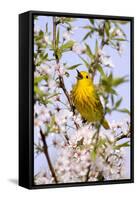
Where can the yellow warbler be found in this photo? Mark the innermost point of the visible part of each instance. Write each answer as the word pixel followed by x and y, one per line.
pixel 86 100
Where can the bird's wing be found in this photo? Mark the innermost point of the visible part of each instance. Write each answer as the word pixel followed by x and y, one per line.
pixel 99 104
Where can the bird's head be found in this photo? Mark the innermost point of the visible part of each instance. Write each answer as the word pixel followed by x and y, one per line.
pixel 83 77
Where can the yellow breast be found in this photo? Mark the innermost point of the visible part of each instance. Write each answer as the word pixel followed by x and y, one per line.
pixel 85 101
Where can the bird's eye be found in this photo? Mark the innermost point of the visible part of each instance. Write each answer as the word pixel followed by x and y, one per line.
pixel 86 76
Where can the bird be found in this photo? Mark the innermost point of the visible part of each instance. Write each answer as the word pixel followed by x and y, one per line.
pixel 86 100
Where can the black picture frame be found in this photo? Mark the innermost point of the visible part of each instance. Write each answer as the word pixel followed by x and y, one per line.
pixel 26 160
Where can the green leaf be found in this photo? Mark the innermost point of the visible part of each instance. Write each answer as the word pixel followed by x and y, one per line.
pixel 107 83
pixel 100 143
pixel 46 27
pixel 41 34
pixel 119 39
pixel 85 62
pixel 58 53
pixel 118 102
pixel 118 81
pixel 100 69
pixel 93 155
pixel 118 26
pixel 87 35
pixel 124 110
pixel 91 21
pixel 67 45
pixel 57 39
pixel 38 91
pixel 107 27
pixel 112 91
pixel 67 74
pixel 43 56
pixel 110 77
pixel 112 99
pixel 96 47
pixel 52 121
pixel 88 51
pixel 73 67
pixel 125 144
pixel 108 110
pixel 53 95
pixel 88 27
pixel 40 78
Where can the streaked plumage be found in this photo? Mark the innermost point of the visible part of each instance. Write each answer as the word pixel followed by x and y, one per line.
pixel 86 99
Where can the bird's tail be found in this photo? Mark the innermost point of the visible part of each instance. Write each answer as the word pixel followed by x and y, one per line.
pixel 105 124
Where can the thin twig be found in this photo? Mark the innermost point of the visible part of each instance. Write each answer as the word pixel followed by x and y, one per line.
pixel 121 137
pixel 62 85
pixel 45 150
pixel 87 174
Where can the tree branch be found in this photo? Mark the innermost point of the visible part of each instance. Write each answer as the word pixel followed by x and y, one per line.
pixel 120 137
pixel 45 149
pixel 87 175
pixel 61 80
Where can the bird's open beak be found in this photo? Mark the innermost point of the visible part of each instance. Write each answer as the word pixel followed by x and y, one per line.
pixel 79 75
